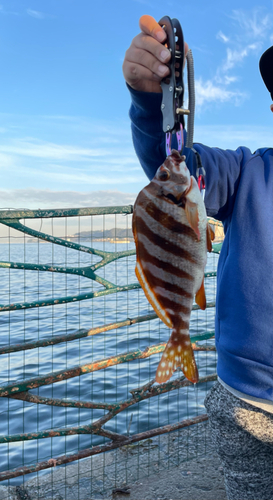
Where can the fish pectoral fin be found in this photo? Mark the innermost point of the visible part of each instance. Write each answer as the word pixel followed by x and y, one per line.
pixel 178 353
pixel 200 297
pixel 210 236
pixel 191 210
pixel 211 231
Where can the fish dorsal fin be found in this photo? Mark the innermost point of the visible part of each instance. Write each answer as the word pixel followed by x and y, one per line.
pixel 200 297
pixel 151 296
pixel 191 210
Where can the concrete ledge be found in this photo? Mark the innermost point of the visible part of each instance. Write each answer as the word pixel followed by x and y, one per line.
pixel 181 465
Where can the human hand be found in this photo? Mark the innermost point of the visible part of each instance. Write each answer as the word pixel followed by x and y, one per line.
pixel 145 62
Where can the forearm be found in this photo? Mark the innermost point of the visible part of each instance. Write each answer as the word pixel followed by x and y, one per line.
pixel 147 132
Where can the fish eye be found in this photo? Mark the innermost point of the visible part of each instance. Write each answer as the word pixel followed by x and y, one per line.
pixel 163 174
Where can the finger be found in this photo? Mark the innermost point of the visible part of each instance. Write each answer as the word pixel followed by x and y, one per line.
pixel 148 61
pixel 149 44
pixel 137 73
pixel 149 26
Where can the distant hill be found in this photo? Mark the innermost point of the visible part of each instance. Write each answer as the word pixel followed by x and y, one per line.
pixel 112 234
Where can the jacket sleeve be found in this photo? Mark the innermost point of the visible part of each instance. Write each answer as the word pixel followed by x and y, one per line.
pixel 223 170
pixel 223 167
pixel 147 132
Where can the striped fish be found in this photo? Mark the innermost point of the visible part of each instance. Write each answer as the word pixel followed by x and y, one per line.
pixel 172 236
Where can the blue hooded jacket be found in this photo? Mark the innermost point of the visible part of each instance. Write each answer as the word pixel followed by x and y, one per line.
pixel 239 193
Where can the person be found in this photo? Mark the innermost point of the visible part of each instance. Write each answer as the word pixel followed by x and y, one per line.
pixel 239 193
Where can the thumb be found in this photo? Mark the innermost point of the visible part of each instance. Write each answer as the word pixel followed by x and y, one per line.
pixel 150 26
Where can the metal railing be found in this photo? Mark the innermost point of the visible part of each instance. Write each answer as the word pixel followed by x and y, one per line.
pixel 23 389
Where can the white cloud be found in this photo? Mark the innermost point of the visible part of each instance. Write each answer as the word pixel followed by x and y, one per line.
pixel 234 136
pixel 93 176
pixel 6 162
pixel 44 198
pixel 208 91
pixel 42 149
pixel 253 25
pixel 254 28
pixel 246 38
pixel 251 30
pixel 5 12
pixel 36 14
pixel 145 2
pixel 18 172
pixel 226 79
pixel 88 155
pixel 222 37
pixel 233 58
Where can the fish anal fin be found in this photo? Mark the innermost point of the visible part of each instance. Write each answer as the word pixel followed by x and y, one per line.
pixel 178 353
pixel 151 297
pixel 200 297
pixel 191 210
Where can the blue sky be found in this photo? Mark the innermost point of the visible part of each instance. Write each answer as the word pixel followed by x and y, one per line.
pixel 65 136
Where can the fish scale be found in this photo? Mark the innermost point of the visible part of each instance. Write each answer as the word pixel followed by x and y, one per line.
pixel 170 231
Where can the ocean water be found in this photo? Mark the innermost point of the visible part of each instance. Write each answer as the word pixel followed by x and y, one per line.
pixel 110 385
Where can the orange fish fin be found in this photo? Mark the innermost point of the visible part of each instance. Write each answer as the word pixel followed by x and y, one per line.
pixel 191 210
pixel 178 353
pixel 209 245
pixel 151 296
pixel 210 236
pixel 211 231
pixel 200 297
pixel 134 228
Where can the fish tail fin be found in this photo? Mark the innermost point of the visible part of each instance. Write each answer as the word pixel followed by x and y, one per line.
pixel 178 353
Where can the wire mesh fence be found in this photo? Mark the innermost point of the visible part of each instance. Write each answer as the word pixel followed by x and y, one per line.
pixel 79 350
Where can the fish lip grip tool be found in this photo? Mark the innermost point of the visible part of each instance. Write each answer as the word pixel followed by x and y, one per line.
pixel 173 95
pixel 173 84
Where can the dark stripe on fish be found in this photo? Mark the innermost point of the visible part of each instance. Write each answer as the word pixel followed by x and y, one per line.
pixel 179 324
pixel 166 285
pixel 161 242
pixel 174 306
pixel 169 222
pixel 148 258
